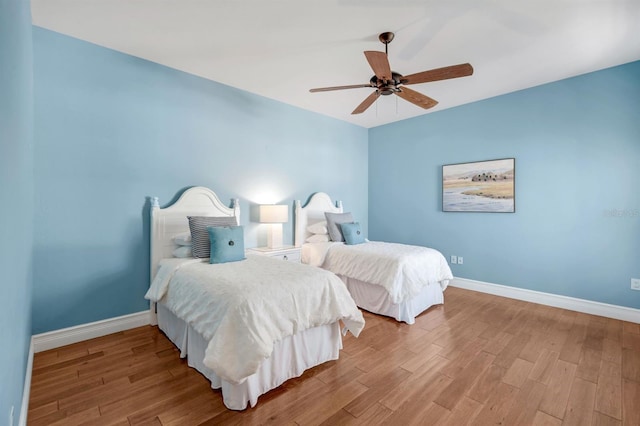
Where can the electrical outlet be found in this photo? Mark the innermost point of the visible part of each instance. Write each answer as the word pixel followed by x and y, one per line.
pixel 454 259
pixel 635 283
pixel 460 260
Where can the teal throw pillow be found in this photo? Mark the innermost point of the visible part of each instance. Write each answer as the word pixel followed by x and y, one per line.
pixel 227 244
pixel 352 233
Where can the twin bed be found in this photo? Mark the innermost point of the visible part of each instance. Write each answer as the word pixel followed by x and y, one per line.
pixel 247 326
pixel 250 325
pixel 396 280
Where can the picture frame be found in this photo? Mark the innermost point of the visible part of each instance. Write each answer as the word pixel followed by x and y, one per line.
pixel 480 186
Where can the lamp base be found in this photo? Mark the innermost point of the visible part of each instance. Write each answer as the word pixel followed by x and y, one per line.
pixel 274 237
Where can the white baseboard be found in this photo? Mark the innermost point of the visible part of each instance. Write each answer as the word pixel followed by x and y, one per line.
pixel 26 390
pixel 67 336
pixel 571 303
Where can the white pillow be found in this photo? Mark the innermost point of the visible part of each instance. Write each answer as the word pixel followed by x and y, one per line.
pixel 318 238
pixel 183 239
pixel 318 228
pixel 183 252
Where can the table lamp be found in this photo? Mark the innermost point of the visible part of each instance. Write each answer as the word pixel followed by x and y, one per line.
pixel 274 215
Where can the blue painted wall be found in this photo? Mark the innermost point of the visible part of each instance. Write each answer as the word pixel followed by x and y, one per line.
pixel 16 200
pixel 576 230
pixel 112 129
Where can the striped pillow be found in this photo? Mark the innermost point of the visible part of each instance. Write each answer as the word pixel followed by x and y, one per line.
pixel 200 245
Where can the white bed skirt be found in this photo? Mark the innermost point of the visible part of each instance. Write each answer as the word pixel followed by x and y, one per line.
pixel 290 358
pixel 375 298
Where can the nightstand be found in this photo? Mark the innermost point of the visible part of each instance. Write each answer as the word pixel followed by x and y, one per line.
pixel 290 253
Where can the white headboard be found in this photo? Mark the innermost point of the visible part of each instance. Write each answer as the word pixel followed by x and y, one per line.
pixel 168 222
pixel 313 212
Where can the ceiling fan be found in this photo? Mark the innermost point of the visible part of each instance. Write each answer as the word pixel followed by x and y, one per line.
pixel 387 82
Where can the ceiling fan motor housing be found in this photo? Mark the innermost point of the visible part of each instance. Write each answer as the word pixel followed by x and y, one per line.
pixel 388 87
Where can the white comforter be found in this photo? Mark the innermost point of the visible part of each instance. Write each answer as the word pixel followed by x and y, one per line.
pixel 243 308
pixel 403 270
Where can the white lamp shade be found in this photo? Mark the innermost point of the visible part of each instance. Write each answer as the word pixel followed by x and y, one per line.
pixel 273 213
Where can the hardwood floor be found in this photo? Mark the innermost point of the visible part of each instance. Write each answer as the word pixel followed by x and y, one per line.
pixel 477 360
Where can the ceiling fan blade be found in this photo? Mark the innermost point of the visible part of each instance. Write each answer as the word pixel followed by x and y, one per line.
pixel 416 98
pixel 366 103
pixel 379 64
pixel 445 73
pixel 327 89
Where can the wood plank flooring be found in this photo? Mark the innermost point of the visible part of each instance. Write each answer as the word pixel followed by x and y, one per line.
pixel 477 360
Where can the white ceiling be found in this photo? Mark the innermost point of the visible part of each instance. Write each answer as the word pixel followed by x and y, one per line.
pixel 282 48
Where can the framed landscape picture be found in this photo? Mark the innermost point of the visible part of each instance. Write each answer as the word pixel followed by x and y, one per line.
pixel 481 186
